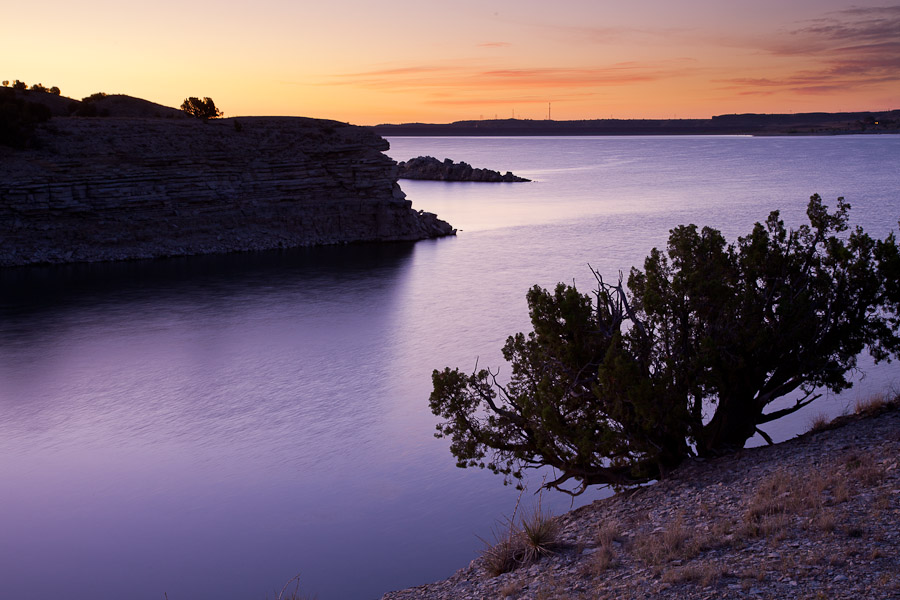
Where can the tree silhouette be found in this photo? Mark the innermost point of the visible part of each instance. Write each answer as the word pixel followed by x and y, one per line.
pixel 619 389
pixel 202 109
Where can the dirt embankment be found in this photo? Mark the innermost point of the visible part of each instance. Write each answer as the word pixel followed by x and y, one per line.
pixel 817 517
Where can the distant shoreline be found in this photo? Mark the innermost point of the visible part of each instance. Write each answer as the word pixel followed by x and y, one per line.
pixel 844 123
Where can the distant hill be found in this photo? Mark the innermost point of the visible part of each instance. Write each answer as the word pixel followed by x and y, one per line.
pixel 106 105
pixel 736 124
pixel 120 105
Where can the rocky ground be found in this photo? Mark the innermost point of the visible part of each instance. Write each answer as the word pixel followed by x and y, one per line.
pixel 817 517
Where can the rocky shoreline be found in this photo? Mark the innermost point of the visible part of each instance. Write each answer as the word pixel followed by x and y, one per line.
pixel 116 188
pixel 431 169
pixel 814 517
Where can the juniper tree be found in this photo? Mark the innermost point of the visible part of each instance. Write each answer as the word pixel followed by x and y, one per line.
pixel 620 387
pixel 202 109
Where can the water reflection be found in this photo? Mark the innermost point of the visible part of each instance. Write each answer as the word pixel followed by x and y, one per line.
pixel 210 426
pixel 155 402
pixel 50 288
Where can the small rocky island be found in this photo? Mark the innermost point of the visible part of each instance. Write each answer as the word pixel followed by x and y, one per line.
pixel 432 169
pixel 133 180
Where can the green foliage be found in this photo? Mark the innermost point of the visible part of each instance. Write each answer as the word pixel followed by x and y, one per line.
pixel 202 109
pixel 619 389
pixel 568 399
pixel 777 312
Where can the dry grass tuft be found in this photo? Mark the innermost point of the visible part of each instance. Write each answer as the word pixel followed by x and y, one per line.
pixel 604 556
pixel 875 405
pixel 782 498
pixel 540 534
pixel 787 565
pixel 517 545
pixel 772 497
pixel 292 594
pixel 600 561
pixel 818 423
pixel 675 536
pixel 506 553
pixel 863 469
pixel 512 588
pixel 826 521
pixel 840 493
pixel 608 533
pixel 758 574
pixel 863 407
pixel 782 495
pixel 673 542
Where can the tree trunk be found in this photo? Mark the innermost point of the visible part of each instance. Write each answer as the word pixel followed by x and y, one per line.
pixel 733 423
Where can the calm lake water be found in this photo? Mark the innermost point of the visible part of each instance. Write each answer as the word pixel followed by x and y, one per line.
pixel 211 427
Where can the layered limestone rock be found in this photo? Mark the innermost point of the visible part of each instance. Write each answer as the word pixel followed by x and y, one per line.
pixel 124 188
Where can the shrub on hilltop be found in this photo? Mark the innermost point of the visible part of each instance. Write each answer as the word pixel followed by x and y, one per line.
pixel 202 109
pixel 88 106
pixel 37 87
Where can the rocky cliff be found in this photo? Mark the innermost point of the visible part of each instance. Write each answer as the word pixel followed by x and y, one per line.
pixel 123 188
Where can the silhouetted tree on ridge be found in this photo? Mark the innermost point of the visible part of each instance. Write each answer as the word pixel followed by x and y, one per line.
pixel 202 109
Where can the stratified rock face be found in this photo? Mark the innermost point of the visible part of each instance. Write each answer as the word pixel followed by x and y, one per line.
pixel 430 168
pixel 116 188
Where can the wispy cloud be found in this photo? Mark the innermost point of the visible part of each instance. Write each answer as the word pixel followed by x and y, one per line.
pixel 495 45
pixel 800 84
pixel 458 83
pixel 858 27
pixel 609 35
pixel 617 74
pixel 854 47
pixel 506 99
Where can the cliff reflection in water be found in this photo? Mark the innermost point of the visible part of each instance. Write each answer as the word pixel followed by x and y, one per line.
pixel 55 287
pixel 190 411
pixel 189 340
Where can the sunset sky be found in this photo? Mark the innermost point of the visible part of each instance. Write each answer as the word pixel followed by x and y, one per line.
pixel 401 61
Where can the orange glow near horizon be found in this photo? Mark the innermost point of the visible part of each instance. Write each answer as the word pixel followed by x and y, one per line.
pixel 409 61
